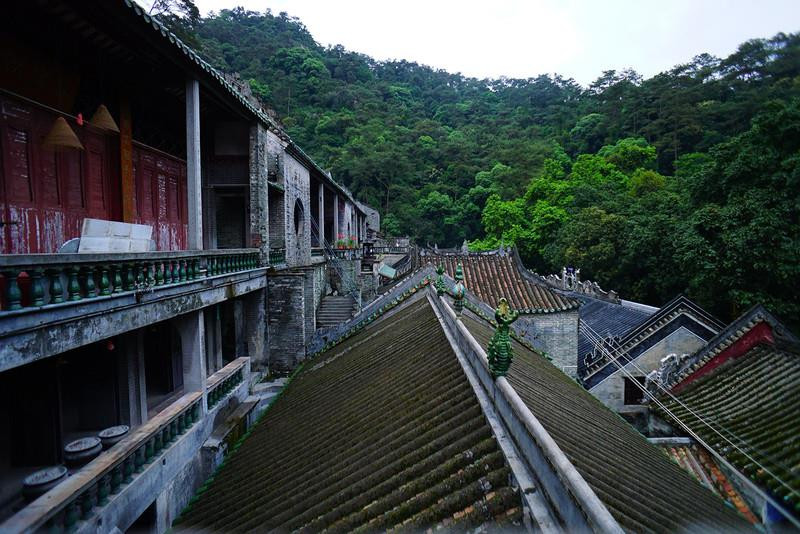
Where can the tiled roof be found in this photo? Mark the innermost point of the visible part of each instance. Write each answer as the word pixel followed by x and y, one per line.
pixel 699 462
pixel 753 401
pixel 492 276
pixel 607 319
pixel 641 487
pixel 381 431
pixel 680 312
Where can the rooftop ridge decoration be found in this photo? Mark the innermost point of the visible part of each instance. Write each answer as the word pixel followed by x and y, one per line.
pixel 499 273
pixel 440 288
pixel 570 280
pixel 499 350
pixel 459 290
pixel 665 315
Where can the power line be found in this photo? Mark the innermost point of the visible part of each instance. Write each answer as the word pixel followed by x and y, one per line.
pixel 594 336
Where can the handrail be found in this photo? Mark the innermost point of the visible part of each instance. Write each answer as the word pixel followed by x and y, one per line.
pixel 60 508
pixel 66 278
pixel 225 380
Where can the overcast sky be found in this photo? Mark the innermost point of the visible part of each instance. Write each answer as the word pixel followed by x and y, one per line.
pixel 518 38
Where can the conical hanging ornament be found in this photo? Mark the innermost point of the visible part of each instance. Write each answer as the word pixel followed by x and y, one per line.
pixel 61 136
pixel 103 119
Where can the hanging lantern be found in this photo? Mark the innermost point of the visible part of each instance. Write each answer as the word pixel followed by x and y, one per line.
pixel 61 136
pixel 103 119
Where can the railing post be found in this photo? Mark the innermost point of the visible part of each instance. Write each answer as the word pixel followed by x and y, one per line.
pixel 56 291
pixel 37 290
pixel 13 293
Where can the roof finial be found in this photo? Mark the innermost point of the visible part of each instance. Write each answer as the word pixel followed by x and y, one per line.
pixel 440 288
pixel 499 349
pixel 459 290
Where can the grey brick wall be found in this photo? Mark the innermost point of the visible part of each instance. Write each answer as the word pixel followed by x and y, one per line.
pixel 557 333
pixel 286 320
pixel 259 191
pixel 298 243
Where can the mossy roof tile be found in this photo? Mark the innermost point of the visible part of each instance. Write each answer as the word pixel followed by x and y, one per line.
pixel 381 431
pixel 642 488
pixel 753 401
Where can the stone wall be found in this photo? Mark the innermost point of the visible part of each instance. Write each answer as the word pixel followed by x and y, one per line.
pixel 556 334
pixel 298 237
pixel 286 320
pixel 259 191
pixel 611 391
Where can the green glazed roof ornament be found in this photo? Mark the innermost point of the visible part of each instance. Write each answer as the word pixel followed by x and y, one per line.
pixel 499 349
pixel 459 290
pixel 440 288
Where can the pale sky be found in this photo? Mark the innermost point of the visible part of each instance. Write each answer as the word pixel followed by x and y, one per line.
pixel 518 38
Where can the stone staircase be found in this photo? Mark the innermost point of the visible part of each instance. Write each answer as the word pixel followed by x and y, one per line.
pixel 334 310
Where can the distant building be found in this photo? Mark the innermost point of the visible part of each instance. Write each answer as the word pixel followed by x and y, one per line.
pixel 549 318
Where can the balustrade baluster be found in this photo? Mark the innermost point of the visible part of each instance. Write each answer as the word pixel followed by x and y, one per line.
pixel 88 282
pixel 103 489
pixel 181 270
pixel 158 444
pixel 105 284
pixel 158 267
pixel 56 290
pixel 128 467
pixel 129 277
pixel 190 274
pixel 181 423
pixel 196 267
pixel 13 293
pixel 138 274
pixel 87 502
pixel 73 287
pixel 150 450
pixel 71 515
pixel 37 289
pixel 116 277
pixel 169 273
pixel 148 277
pixel 116 478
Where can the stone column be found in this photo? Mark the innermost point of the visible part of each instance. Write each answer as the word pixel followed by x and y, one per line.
pixel 321 215
pixel 134 395
pixel 194 186
pixel 191 329
pixel 335 219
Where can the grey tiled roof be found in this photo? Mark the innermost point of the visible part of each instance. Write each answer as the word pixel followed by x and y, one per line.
pixel 382 431
pixel 605 318
pixel 642 488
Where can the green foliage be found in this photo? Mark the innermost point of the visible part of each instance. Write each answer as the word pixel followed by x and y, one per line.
pixel 686 181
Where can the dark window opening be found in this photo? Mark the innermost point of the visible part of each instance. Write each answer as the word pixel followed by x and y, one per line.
pixel 298 216
pixel 163 365
pixel 633 393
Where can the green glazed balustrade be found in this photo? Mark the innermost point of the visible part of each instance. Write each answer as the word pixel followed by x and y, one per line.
pixel 97 495
pixel 39 285
pixel 225 386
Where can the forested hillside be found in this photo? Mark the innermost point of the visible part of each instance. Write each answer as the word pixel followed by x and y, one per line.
pixel 687 181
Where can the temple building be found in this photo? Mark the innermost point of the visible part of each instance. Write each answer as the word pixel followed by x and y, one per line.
pixel 408 421
pixel 164 246
pixel 549 318
pixel 734 400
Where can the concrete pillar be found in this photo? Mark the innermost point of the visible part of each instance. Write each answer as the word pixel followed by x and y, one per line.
pixel 194 186
pixel 213 332
pixel 255 315
pixel 239 328
pixel 133 398
pixel 321 216
pixel 335 218
pixel 191 329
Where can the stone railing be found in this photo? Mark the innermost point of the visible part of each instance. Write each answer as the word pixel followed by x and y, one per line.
pixel 224 381
pixel 31 281
pixel 391 250
pixel 277 256
pixel 82 495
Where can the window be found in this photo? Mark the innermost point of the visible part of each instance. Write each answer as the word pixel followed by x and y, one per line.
pixel 634 395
